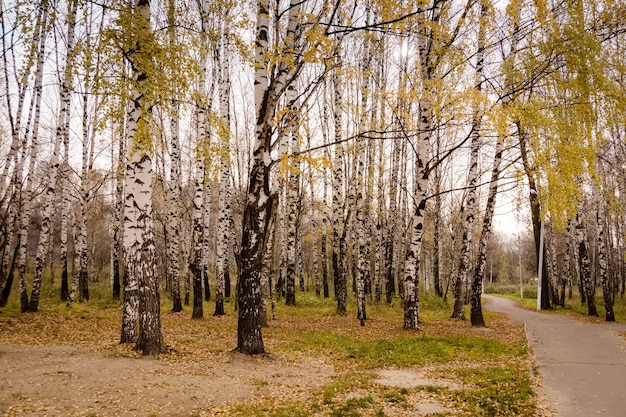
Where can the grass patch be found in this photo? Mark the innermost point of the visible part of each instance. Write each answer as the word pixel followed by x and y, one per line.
pixel 271 409
pixel 495 391
pixel 402 351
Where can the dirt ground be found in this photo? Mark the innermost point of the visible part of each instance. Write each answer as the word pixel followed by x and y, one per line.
pixel 49 380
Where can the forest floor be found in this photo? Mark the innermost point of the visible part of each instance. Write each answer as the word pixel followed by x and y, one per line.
pixel 61 380
pixel 67 362
pixel 582 361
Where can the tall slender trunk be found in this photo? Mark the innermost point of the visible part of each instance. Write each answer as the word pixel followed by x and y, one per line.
pixel 602 261
pixel 437 227
pixel 40 40
pixel 63 129
pixel 421 174
pixel 476 313
pixel 44 234
pixel 117 226
pixel 206 233
pixel 324 213
pixel 174 217
pixel 469 210
pixel 83 274
pixel 314 232
pixel 567 264
pixel 293 200
pixel 585 268
pixel 51 175
pixel 267 284
pixel 535 211
pixel 362 201
pixel 338 256
pixel 224 220
pixel 553 267
pixel 196 263
pixel 381 222
pixel 130 280
pixel 391 251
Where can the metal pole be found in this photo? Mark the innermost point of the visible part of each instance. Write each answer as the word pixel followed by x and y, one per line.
pixel 519 252
pixel 540 268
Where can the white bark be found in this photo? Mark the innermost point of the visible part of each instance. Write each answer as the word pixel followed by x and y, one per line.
pixel 426 106
pixel 338 256
pixel 225 216
pixel 40 40
pixel 141 297
pixel 470 207
pixel 198 241
pixel 174 216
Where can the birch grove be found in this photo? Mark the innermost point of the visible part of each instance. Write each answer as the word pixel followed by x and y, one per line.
pixel 351 150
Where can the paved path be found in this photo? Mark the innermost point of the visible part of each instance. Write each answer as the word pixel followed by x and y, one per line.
pixel 583 365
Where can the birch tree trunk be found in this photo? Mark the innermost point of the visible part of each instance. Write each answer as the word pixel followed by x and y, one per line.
pixel 174 218
pixel 535 210
pixel 314 228
pixel 339 232
pixel 259 206
pixel 437 226
pixel 469 209
pixel 567 263
pixel 293 203
pixel 44 234
pixel 422 171
pixel 118 224
pixel 257 211
pixel 552 266
pixel 63 129
pixel 225 216
pixel 81 219
pixel 362 268
pixel 141 295
pixel 476 313
pixel 196 264
pixel 52 174
pixel 324 237
pixel 206 231
pixel 585 269
pixel 39 40
pixel 607 293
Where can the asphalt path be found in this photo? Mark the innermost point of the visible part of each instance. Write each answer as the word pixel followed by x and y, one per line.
pixel 583 365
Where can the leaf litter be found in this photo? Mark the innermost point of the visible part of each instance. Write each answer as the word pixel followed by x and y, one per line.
pixel 69 363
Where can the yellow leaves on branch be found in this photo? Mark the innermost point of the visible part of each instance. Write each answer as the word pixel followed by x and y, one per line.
pixel 290 164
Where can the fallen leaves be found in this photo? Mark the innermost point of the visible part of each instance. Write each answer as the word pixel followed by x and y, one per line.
pixel 202 375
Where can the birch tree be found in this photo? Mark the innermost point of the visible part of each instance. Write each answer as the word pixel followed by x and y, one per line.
pixel 274 73
pixel 225 212
pixel 174 218
pixel 198 224
pixel 141 296
pixel 39 42
pixel 257 211
pixel 427 17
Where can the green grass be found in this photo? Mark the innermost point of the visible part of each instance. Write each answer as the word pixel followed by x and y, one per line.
pixel 495 391
pixel 271 409
pixel 402 351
